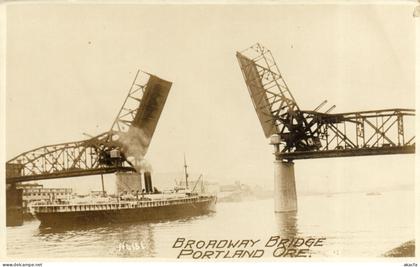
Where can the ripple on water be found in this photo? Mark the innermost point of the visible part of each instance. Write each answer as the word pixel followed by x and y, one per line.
pixel 352 228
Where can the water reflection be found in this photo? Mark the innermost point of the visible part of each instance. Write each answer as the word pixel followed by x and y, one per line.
pixel 287 224
pixel 346 234
pixel 134 239
pixel 119 226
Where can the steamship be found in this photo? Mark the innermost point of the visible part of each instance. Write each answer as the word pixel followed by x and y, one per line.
pixel 140 205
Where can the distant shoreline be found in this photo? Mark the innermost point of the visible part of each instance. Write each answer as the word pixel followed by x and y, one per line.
pixel 387 190
pixel 406 249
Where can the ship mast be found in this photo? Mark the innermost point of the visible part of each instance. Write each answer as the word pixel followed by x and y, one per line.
pixel 186 173
pixel 103 187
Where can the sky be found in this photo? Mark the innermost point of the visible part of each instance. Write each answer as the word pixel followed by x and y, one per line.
pixel 69 68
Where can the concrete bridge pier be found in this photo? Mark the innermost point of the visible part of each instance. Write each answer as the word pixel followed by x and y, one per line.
pixel 14 211
pixel 128 182
pixel 285 199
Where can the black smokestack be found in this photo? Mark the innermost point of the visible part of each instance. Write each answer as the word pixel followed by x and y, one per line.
pixel 148 182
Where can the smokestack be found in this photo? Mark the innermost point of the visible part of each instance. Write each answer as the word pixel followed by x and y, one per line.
pixel 140 181
pixel 148 182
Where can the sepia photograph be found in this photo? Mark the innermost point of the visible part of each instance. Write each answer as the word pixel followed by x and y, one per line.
pixel 188 131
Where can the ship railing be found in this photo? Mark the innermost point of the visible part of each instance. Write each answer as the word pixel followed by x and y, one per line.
pixel 109 206
pixel 82 207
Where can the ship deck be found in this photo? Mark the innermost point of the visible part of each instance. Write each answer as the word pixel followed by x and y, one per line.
pixel 118 204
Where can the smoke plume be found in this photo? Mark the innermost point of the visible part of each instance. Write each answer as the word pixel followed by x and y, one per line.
pixel 136 143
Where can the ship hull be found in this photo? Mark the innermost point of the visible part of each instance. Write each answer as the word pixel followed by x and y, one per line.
pixel 126 215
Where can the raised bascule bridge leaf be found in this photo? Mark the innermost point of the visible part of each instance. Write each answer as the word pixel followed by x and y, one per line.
pixel 301 134
pixel 118 149
pixel 298 134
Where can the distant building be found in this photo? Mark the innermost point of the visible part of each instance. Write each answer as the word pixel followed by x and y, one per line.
pixel 229 188
pixel 200 186
pixel 37 192
pixel 237 186
pixel 239 192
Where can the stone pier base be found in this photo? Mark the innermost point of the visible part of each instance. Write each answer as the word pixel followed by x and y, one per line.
pixel 129 183
pixel 284 187
pixel 14 210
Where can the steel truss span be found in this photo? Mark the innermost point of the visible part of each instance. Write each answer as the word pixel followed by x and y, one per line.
pixel 299 134
pixel 115 150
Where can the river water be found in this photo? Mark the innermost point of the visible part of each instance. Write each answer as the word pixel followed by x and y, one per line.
pixel 350 225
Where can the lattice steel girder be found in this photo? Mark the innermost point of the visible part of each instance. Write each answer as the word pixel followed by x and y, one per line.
pixel 346 153
pixel 275 105
pixel 92 156
pixel 125 144
pixel 359 133
pixel 137 119
pixel 300 131
pixel 68 174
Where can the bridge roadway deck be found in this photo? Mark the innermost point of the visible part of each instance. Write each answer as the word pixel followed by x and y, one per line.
pixel 354 152
pixel 66 174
